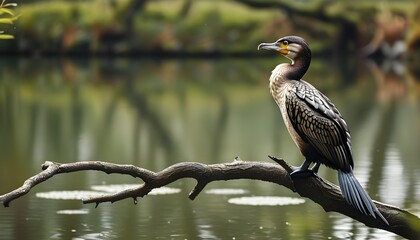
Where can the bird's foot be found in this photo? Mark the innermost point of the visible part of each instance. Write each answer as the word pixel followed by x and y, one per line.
pixel 316 168
pixel 302 173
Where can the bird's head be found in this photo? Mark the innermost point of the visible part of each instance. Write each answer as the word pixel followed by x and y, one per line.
pixel 291 47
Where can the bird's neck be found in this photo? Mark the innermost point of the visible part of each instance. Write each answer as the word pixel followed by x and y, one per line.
pixel 291 71
pixel 285 73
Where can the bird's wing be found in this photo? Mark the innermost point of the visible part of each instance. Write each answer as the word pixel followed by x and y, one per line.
pixel 318 122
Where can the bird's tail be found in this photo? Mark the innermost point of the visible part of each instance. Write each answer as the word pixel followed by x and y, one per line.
pixel 356 196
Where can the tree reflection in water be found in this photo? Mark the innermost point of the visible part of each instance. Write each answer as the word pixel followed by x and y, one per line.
pixel 154 113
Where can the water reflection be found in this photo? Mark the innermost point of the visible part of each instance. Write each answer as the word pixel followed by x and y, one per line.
pixel 153 113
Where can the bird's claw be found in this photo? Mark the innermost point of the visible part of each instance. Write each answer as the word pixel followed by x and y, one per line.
pixel 303 173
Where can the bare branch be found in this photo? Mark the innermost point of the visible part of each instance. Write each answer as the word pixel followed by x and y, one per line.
pixel 318 190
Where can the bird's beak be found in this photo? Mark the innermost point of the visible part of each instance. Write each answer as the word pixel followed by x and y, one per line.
pixel 273 46
pixel 269 46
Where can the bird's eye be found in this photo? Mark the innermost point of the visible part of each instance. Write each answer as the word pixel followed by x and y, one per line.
pixel 285 42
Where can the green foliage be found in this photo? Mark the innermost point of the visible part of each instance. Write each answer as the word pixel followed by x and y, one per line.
pixel 7 16
pixel 223 26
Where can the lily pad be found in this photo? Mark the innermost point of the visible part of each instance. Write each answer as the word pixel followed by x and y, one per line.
pixel 226 191
pixel 266 201
pixel 73 211
pixel 113 188
pixel 68 195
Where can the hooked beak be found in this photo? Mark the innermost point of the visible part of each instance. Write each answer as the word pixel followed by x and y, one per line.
pixel 274 46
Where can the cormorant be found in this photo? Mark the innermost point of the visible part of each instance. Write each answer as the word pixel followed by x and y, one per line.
pixel 314 123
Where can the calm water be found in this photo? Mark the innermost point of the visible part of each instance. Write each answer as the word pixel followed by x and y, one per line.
pixel 154 113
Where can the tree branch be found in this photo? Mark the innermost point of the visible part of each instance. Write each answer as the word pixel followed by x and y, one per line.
pixel 318 190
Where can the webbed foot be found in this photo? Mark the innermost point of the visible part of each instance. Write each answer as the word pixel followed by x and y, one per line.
pixel 316 168
pixel 302 173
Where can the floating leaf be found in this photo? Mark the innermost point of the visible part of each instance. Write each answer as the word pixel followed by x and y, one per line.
pixel 6 20
pixel 10 5
pixel 5 10
pixel 9 20
pixel 6 36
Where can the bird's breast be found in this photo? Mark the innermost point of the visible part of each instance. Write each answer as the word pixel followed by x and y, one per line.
pixel 279 89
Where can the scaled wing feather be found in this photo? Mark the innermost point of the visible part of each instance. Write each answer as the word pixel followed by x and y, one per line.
pixel 319 123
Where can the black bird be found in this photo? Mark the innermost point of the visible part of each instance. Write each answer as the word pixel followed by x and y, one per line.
pixel 314 123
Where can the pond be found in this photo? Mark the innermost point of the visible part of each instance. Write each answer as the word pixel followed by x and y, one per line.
pixel 153 113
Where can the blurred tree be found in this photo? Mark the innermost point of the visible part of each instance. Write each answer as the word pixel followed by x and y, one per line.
pixel 133 8
pixel 187 26
pixel 389 36
pixel 185 9
pixel 318 11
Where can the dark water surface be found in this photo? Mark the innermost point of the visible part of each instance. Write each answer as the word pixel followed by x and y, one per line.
pixel 154 113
